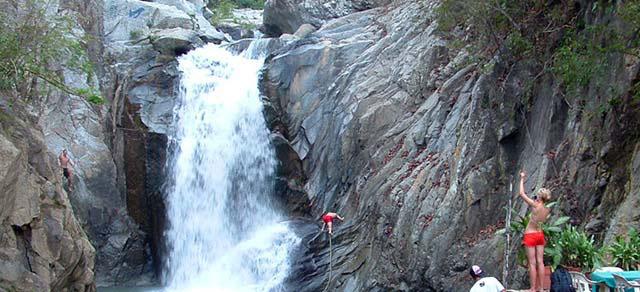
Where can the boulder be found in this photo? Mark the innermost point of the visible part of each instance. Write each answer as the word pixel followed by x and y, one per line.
pixel 175 41
pixel 304 30
pixel 126 18
pixel 243 24
pixel 286 16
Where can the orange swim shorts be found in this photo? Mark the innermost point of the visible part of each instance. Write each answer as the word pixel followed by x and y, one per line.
pixel 533 239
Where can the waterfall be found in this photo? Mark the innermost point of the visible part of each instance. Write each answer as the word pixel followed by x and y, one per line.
pixel 225 231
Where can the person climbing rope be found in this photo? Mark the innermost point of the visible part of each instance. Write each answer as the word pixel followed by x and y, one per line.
pixel 328 220
pixel 533 235
pixel 65 161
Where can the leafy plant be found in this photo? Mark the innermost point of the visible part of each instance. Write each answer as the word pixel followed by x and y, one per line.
pixel 34 44
pixel 626 253
pixel 575 62
pixel 253 4
pixel 221 11
pixel 524 26
pixel 135 34
pixel 91 94
pixel 574 248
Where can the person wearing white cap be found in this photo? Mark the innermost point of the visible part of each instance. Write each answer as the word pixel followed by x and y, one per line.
pixel 484 284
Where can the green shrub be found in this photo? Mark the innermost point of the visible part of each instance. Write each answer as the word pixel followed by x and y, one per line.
pixel 544 31
pixel 135 34
pixel 221 11
pixel 625 253
pixel 33 47
pixel 486 25
pixel 253 4
pixel 91 94
pixel 573 248
pixel 575 62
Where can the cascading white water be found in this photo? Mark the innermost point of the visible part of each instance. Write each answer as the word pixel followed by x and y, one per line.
pixel 224 234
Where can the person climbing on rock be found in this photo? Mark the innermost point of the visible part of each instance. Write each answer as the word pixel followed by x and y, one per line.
pixel 533 235
pixel 65 162
pixel 484 284
pixel 328 220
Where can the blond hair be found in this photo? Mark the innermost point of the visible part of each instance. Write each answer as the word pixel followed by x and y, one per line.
pixel 544 194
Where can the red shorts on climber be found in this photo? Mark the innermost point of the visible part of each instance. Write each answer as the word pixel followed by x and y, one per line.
pixel 327 218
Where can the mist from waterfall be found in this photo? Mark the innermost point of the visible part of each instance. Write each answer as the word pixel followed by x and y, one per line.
pixel 225 232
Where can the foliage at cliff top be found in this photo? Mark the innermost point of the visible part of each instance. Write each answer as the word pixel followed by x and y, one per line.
pixel 253 4
pixel 223 10
pixel 571 39
pixel 35 46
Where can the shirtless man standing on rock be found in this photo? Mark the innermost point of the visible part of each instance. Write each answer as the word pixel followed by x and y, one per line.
pixel 65 161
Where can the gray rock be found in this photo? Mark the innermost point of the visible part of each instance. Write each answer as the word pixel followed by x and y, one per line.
pixel 175 41
pixel 417 148
pixel 285 16
pixel 304 30
pixel 243 24
pixel 42 245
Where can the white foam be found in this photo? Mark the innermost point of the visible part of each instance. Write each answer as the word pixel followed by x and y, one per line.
pixel 225 233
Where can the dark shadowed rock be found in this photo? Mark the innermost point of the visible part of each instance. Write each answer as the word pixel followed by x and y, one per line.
pixel 175 41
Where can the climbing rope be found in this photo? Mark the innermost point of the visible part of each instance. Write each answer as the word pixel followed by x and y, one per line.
pixel 507 228
pixel 534 147
pixel 330 264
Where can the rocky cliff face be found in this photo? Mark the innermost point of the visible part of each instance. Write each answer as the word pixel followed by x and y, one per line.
pixel 416 147
pixel 42 245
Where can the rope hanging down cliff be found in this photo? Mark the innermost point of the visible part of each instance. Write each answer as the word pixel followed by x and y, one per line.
pixel 505 267
pixel 330 264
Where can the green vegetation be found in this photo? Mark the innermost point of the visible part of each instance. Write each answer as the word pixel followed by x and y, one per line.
pixel 625 253
pixel 573 248
pixel 35 46
pixel 555 35
pixel 223 10
pixel 488 24
pixel 253 4
pixel 91 94
pixel 135 34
